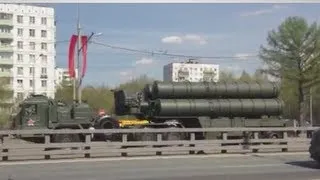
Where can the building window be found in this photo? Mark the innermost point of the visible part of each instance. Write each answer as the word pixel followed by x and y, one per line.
pixel 44 21
pixel 20 95
pixel 32 20
pixel 32 32
pixel 20 83
pixel 32 58
pixel 43 33
pixel 44 59
pixel 20 32
pixel 20 44
pixel 20 58
pixel 43 71
pixel 31 83
pixel 6 16
pixel 44 46
pixel 20 19
pixel 20 70
pixel 32 45
pixel 5 30
pixel 43 83
pixel 31 71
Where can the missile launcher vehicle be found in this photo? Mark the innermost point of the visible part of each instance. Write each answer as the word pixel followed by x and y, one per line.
pixel 204 105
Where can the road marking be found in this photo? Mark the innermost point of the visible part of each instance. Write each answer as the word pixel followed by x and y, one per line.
pixel 145 158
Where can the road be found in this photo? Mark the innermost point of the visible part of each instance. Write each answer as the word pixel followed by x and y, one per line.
pixel 239 167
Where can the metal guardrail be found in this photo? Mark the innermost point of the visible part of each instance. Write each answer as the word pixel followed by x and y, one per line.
pixel 158 146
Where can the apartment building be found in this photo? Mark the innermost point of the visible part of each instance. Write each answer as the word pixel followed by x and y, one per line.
pixel 192 71
pixel 27 49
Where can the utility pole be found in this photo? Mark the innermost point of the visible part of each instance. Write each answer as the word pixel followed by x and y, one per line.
pixel 34 74
pixel 77 66
pixel 78 57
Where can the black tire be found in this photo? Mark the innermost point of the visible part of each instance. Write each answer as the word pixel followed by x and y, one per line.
pixel 66 138
pixel 110 124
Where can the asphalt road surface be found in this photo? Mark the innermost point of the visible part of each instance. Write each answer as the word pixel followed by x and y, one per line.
pixel 222 167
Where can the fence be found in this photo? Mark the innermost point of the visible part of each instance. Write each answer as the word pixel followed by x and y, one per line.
pixel 26 151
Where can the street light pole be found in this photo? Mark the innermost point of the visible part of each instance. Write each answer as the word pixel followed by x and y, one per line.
pixel 34 74
pixel 80 78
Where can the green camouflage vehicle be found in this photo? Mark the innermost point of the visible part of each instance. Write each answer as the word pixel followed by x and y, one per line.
pixel 41 112
pixel 205 105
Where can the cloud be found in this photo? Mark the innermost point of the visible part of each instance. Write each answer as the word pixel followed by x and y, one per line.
pixel 262 11
pixel 172 40
pixel 193 38
pixel 144 61
pixel 125 73
pixel 244 56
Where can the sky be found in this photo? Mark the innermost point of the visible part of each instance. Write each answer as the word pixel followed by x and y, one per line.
pixel 188 29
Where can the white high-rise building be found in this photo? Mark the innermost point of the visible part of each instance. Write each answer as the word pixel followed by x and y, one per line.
pixel 190 71
pixel 27 49
pixel 62 75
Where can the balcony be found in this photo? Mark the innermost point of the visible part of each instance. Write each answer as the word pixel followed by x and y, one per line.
pixel 6 22
pixel 6 61
pixel 5 74
pixel 44 76
pixel 183 73
pixel 6 48
pixel 6 36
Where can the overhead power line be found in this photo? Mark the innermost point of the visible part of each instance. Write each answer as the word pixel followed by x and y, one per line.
pixel 171 54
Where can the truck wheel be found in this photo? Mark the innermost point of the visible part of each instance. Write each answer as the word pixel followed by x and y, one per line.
pixel 109 124
pixel 65 138
pixel 147 136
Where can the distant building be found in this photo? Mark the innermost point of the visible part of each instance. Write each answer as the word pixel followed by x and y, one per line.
pixel 190 71
pixel 62 75
pixel 27 49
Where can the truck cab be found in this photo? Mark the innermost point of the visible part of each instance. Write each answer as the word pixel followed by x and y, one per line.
pixel 42 112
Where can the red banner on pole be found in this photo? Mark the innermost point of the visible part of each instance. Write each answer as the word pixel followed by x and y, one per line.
pixel 72 46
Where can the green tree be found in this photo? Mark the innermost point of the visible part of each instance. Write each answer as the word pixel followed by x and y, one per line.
pixel 291 54
pixel 226 76
pixel 65 92
pixel 6 101
pixel 245 76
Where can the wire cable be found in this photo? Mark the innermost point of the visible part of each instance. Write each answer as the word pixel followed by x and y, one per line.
pixel 171 54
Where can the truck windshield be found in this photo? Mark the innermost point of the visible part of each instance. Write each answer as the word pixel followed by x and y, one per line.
pixel 30 109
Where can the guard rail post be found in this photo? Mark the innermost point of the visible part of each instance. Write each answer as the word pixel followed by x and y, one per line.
pixel 124 140
pixel 285 136
pixel 46 142
pixel 87 145
pixel 255 137
pixel 192 138
pixel 224 138
pixel 159 139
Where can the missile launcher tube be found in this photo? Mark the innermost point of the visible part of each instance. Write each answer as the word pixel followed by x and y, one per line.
pixel 212 90
pixel 217 107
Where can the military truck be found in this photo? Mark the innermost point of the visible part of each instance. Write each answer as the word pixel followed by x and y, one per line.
pixel 204 105
pixel 42 112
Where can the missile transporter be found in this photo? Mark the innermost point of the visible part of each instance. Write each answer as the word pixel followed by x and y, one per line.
pixel 204 105
pixel 40 112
